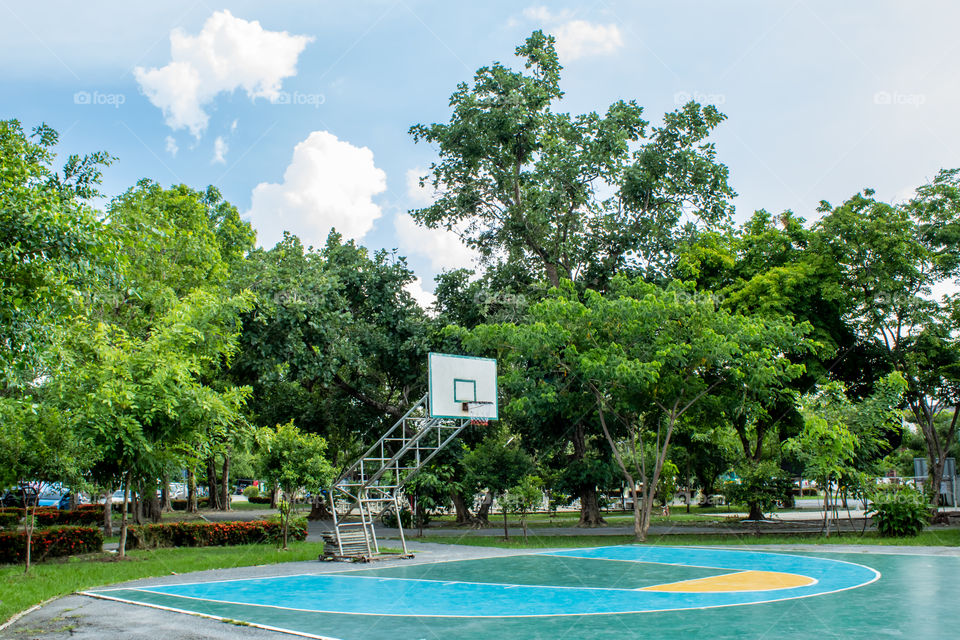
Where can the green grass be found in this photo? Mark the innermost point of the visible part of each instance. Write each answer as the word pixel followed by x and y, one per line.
pixel 53 579
pixel 931 538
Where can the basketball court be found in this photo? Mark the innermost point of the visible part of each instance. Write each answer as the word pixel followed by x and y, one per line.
pixel 626 591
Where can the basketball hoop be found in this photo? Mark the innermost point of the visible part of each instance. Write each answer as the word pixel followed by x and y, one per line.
pixel 476 409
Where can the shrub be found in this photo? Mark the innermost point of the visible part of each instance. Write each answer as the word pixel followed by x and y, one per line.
pixel 49 543
pixel 9 518
pixel 181 505
pixel 259 500
pixel 51 516
pixel 389 518
pixel 210 534
pixel 251 492
pixel 900 511
pixel 762 486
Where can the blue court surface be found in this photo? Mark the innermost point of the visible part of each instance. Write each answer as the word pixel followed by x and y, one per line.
pixel 606 592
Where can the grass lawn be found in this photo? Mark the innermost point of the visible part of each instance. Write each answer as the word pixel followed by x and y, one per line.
pixel 932 538
pixel 57 578
pixel 678 516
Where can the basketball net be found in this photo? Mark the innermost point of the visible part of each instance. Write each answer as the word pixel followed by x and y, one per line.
pixel 476 410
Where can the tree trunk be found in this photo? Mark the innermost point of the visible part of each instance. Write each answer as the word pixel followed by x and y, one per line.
pixel 191 491
pixel 460 507
pixel 589 505
pixel 225 484
pixel 136 504
pixel 74 501
pixel 506 533
pixel 213 492
pixel 29 513
pixel 166 503
pixel 483 513
pixel 590 508
pixel 151 503
pixel 755 512
pixel 318 509
pixel 108 512
pixel 274 496
pixel 122 548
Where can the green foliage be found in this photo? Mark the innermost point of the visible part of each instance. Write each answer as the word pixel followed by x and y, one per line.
pixel 667 486
pixel 389 518
pixel 210 534
pixel 527 186
pixel 524 496
pixel 497 463
pixel 762 485
pixel 51 516
pixel 49 543
pixel 294 460
pixel 251 492
pixel 49 245
pixel 900 511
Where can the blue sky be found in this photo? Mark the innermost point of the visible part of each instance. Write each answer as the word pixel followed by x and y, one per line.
pixel 823 98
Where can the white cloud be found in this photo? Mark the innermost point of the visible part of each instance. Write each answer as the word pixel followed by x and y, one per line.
pixel 423 297
pixel 443 248
pixel 577 38
pixel 420 196
pixel 233 126
pixel 172 147
pixel 328 183
pixel 229 53
pixel 220 148
pixel 543 14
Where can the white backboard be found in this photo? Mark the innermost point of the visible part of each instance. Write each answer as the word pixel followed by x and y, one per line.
pixel 462 387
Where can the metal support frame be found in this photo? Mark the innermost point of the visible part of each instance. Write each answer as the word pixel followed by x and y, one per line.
pixel 375 481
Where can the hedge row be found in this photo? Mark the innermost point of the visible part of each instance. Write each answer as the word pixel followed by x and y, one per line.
pixel 208 534
pixel 49 543
pixel 181 505
pixel 259 500
pixel 51 516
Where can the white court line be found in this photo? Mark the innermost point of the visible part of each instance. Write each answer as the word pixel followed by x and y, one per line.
pixel 207 615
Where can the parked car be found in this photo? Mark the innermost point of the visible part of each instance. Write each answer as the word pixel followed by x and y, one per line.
pixel 15 497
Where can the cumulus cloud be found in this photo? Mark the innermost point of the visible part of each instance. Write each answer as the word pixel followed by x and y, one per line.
pixel 328 183
pixel 423 297
pixel 577 38
pixel 420 196
pixel 172 147
pixel 443 248
pixel 229 53
pixel 220 148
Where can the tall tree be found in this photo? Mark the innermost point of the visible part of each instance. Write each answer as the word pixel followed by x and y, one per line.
pixel 530 188
pixel 892 262
pixel 648 356
pixel 49 245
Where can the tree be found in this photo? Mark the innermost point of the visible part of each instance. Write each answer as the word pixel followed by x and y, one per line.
pixel 295 461
pixel 333 342
pixel 139 399
pixel 49 244
pixel 527 186
pixel 38 447
pixel 841 440
pixel 522 498
pixel 648 356
pixel 890 259
pixel 496 464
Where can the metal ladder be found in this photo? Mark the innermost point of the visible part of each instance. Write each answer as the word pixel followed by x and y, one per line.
pixel 375 481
